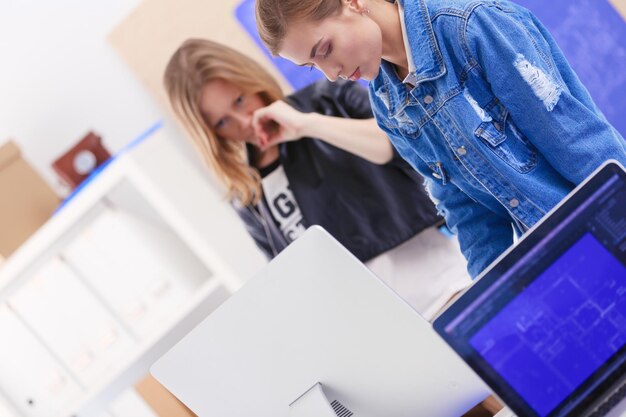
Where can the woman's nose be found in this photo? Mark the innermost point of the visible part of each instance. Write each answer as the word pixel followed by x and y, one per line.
pixel 243 119
pixel 331 71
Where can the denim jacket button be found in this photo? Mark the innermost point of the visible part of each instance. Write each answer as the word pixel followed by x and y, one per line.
pixel 428 99
pixel 461 151
pixel 514 202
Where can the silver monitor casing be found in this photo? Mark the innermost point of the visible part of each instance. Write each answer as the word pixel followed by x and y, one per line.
pixel 316 315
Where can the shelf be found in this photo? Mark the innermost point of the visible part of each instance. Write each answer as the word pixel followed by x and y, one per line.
pixel 138 364
pixel 128 193
pixel 55 232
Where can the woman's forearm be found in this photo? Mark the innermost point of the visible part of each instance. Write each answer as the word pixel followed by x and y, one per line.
pixel 361 137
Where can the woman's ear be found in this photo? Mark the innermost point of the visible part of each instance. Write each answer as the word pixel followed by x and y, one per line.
pixel 357 6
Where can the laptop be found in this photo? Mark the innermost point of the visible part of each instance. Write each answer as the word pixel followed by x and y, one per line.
pixel 316 333
pixel 545 324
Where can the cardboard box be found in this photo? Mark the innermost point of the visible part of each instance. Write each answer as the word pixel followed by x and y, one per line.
pixel 620 6
pixel 162 402
pixel 147 37
pixel 26 200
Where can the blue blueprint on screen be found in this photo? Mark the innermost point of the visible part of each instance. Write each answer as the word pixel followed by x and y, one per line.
pixel 591 33
pixel 561 328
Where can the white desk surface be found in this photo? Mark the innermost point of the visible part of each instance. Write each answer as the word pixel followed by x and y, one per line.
pixel 505 412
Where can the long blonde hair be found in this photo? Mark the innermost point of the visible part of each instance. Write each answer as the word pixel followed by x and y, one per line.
pixel 193 65
pixel 273 17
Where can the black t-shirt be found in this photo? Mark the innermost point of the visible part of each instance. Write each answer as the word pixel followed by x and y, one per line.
pixel 369 208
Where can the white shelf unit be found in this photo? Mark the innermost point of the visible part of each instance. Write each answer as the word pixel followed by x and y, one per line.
pixel 129 404
pixel 121 199
pixel 6 409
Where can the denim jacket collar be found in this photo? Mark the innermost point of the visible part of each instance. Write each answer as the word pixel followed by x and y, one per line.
pixel 427 58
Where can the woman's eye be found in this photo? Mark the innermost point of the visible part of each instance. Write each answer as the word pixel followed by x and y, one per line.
pixel 329 49
pixel 220 124
pixel 326 51
pixel 239 99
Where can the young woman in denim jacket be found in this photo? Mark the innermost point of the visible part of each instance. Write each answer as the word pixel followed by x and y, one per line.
pixel 474 94
pixel 310 161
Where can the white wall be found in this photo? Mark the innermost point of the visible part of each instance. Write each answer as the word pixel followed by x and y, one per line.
pixel 59 78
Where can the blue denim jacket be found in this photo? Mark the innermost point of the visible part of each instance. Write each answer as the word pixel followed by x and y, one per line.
pixel 493 117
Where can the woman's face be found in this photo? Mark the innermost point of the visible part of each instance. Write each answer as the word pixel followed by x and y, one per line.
pixel 228 110
pixel 348 45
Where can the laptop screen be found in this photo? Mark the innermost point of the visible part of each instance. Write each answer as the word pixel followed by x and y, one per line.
pixel 546 327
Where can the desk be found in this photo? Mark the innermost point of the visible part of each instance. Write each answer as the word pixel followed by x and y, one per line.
pixel 505 412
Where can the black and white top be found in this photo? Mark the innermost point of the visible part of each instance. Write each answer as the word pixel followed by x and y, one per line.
pixel 368 208
pixel 281 201
pixel 380 213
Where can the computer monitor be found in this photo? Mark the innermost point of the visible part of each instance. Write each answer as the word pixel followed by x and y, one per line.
pixel 316 333
pixel 545 326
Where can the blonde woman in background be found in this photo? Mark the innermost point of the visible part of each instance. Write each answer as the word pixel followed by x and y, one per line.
pixel 313 157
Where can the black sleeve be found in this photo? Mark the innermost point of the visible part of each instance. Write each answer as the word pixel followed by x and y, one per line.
pixel 355 99
pixel 255 230
pixel 398 161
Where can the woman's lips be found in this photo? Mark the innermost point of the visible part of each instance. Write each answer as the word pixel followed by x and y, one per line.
pixel 355 75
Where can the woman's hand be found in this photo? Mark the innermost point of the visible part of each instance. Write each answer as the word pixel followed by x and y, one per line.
pixel 278 122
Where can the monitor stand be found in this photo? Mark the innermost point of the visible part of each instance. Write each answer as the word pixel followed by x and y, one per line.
pixel 313 403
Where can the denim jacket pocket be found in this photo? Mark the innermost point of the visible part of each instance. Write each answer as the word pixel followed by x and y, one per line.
pixel 406 125
pixel 508 143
